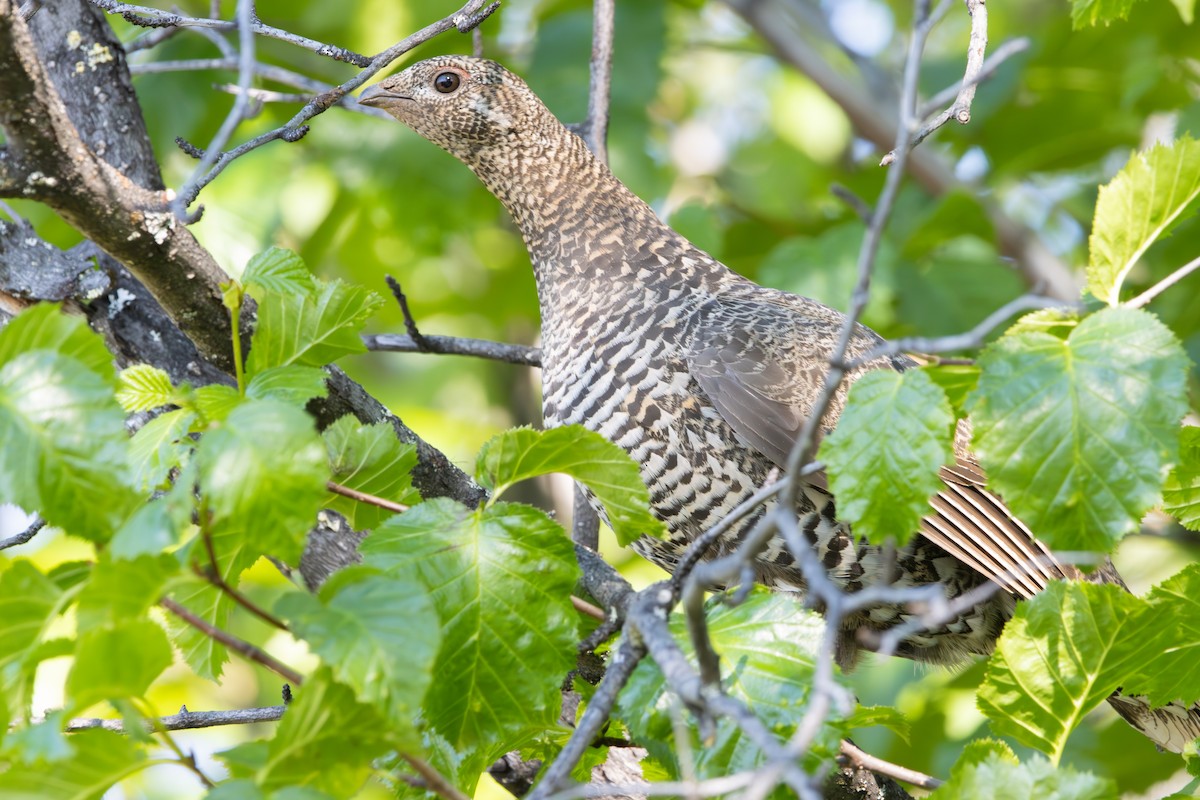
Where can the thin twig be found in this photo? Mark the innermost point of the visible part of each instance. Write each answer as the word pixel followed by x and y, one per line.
pixel 522 355
pixel 960 341
pixel 584 607
pixel 363 497
pixel 594 129
pixel 185 720
pixel 960 109
pixel 1166 283
pixel 240 646
pixel 410 322
pixel 950 94
pixel 241 102
pixel 860 758
pixel 24 536
pixel 434 780
pixel 154 18
pixel 212 574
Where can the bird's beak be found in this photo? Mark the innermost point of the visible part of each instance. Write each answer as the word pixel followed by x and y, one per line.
pixel 378 97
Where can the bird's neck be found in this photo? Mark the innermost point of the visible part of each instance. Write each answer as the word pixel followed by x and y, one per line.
pixel 582 225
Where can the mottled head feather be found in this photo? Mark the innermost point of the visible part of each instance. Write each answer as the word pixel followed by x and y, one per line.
pixel 488 108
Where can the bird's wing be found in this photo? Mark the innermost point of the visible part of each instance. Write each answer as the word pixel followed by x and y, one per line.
pixel 763 364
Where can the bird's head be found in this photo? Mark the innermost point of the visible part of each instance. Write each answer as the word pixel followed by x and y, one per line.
pixel 464 105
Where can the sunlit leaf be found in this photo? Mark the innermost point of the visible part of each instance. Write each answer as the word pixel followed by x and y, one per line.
pixel 589 458
pixel 988 770
pixel 144 388
pixel 1181 490
pixel 883 483
pixel 370 459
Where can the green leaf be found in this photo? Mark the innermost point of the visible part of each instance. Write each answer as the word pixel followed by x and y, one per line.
pixel 589 458
pixel 119 662
pixel 378 633
pixel 1187 10
pixel 100 759
pixel 310 330
pixel 46 327
pixel 64 444
pixel 371 459
pixel 1089 12
pixel 988 770
pixel 215 401
pixel 1137 207
pixel 204 654
pixel 159 524
pixel 1062 653
pixel 159 446
pixel 1181 490
pixel 1077 434
pixel 248 790
pixel 293 385
pixel 120 591
pixel 262 476
pixel 883 482
pixel 144 388
pixel 325 741
pixel 768 646
pixel 957 381
pixel 279 271
pixel 1171 673
pixel 28 599
pixel 500 579
pixel 43 742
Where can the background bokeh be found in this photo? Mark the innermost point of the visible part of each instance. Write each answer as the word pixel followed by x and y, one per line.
pixel 738 153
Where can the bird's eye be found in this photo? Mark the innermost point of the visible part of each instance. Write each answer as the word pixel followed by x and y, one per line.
pixel 447 82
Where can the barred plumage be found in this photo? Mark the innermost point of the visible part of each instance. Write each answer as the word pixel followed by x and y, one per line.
pixel 706 378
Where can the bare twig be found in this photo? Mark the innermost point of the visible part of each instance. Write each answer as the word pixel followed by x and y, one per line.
pixel 584 607
pixel 241 102
pixel 594 129
pixel 951 93
pixel 240 646
pixel 456 346
pixel 185 720
pixel 410 322
pixel 24 536
pixel 1166 283
pixel 960 341
pixel 154 18
pixel 960 109
pixel 363 497
pixel 860 758
pixel 212 574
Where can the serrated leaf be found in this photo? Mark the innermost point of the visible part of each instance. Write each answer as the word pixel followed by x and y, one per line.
pixel 44 742
pixel 1171 673
pixel 988 770
pixel 64 444
pixel 1181 489
pixel 215 401
pixel 607 471
pixel 100 759
pixel 378 633
pixel 1057 322
pixel 292 385
pixel 310 330
pixel 263 499
pixel 1152 193
pixel 120 591
pixel 768 646
pixel 325 741
pixel 371 459
pixel 159 446
pixel 1062 653
pixel 1077 434
pixel 118 662
pixel 883 458
pixel 277 270
pixel 500 579
pixel 144 388
pixel 1089 12
pixel 957 381
pixel 28 599
pixel 46 327
pixel 204 654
